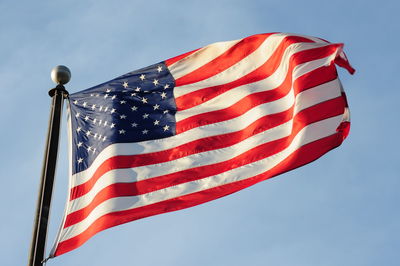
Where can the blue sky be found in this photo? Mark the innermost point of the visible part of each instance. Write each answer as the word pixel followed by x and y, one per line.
pixel 339 210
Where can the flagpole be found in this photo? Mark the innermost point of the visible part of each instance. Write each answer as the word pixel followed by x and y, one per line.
pixel 60 75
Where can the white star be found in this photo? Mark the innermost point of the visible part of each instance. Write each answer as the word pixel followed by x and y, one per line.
pixel 122 131
pixel 88 133
pixel 159 69
pixel 155 82
pixel 93 106
pixel 112 98
pixel 156 122
pixel 163 95
pixel 142 77
pixel 166 127
pixel 137 89
pixel 112 125
pixel 122 116
pixel 101 108
pixel 112 110
pixel 86 118
pixel 156 107
pixel 76 102
pixel 134 108
pixel 108 90
pixel 78 129
pixel 133 94
pixel 80 160
pixel 125 84
pixel 104 138
pixel 77 115
pixel 105 123
pixel 100 121
pixel 145 116
pixel 79 144
pixel 145 131
pixel 89 148
pixel 94 121
pixel 166 86
pixel 123 102
pixel 166 112
pixel 94 150
pixel 134 125
pixel 105 109
pixel 84 104
pixel 105 96
pixel 144 100
pixel 95 136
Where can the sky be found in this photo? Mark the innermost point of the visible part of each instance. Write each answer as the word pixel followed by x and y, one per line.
pixel 342 209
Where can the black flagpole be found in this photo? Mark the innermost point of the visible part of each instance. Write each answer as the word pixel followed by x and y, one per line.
pixel 60 75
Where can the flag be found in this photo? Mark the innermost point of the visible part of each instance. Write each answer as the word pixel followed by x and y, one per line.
pixel 198 127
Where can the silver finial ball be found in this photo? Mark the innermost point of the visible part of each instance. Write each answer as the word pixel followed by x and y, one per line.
pixel 60 75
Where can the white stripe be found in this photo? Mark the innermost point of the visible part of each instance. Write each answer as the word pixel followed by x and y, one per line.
pixel 270 83
pixel 305 99
pixel 200 58
pixel 311 65
pixel 308 134
pixel 318 94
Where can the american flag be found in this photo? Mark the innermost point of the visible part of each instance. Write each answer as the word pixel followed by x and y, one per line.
pixel 198 127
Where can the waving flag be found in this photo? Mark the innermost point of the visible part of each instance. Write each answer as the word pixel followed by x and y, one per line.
pixel 198 127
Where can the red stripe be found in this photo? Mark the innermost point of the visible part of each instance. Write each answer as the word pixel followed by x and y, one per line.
pixel 175 59
pixel 255 99
pixel 343 62
pixel 302 156
pixel 233 55
pixel 310 115
pixel 239 108
pixel 200 96
pixel 312 79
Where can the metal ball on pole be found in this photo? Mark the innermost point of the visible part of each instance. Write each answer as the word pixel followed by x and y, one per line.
pixel 60 75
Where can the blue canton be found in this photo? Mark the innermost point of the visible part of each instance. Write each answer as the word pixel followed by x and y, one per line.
pixel 135 107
